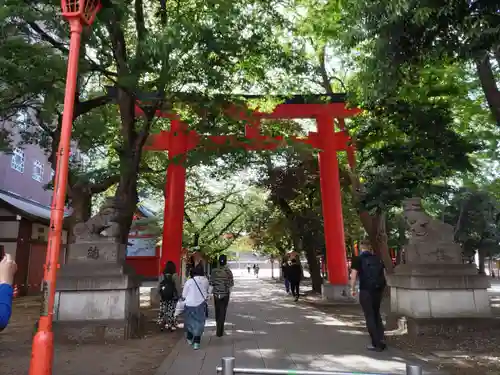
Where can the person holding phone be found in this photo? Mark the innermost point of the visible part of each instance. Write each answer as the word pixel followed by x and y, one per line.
pixel 8 269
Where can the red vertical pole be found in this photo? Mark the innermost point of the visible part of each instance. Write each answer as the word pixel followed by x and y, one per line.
pixel 332 204
pixel 163 250
pixel 42 351
pixel 174 204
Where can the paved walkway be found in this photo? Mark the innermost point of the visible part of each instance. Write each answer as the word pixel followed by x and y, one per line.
pixel 266 329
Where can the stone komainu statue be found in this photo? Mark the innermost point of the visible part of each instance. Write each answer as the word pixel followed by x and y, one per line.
pixel 106 220
pixel 431 240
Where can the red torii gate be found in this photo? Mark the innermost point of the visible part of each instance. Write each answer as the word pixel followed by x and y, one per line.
pixel 179 140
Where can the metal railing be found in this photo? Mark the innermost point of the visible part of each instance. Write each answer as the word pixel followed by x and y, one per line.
pixel 228 368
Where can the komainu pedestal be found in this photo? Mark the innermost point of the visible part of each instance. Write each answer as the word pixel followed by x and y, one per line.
pixel 97 296
pixel 434 290
pixel 337 294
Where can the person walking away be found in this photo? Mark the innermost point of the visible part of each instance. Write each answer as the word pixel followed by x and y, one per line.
pixel 8 269
pixel 295 277
pixel 221 281
pixel 370 270
pixel 248 268
pixel 169 288
pixel 256 270
pixel 195 295
pixel 284 271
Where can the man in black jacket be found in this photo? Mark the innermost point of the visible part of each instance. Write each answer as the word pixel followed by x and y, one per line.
pixel 371 272
pixel 295 276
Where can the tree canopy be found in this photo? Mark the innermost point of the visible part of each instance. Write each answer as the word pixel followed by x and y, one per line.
pixel 424 74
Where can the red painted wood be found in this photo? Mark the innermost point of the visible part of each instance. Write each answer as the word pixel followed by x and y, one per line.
pixel 256 141
pixel 326 140
pixel 332 204
pixel 175 192
pixel 145 266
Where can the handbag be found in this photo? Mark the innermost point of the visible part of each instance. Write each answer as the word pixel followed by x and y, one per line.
pixel 179 307
pixel 206 304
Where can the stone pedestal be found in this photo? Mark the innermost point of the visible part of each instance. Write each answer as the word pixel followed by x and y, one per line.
pixel 435 294
pixel 434 290
pixel 97 296
pixel 154 297
pixel 337 293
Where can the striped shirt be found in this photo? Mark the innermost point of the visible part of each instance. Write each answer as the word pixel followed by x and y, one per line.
pixel 221 280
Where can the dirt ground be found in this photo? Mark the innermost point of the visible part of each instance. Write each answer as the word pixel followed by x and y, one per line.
pixel 471 353
pixel 140 356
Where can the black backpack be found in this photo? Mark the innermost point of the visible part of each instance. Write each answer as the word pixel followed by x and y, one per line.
pixel 168 291
pixel 372 272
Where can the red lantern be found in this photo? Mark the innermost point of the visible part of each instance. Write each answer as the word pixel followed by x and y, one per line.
pixel 85 10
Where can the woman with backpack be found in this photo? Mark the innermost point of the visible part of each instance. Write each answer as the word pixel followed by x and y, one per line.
pixel 169 289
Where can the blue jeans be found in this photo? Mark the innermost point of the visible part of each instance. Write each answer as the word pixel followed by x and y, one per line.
pixel 194 322
pixel 287 285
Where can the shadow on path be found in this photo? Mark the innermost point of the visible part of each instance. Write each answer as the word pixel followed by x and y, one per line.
pixel 266 329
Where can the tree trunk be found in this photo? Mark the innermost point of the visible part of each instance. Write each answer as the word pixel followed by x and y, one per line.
pixel 481 256
pixel 376 230
pixel 314 269
pixel 374 225
pixel 127 197
pixel 401 233
pixel 130 157
pixel 80 195
pixel 81 203
pixel 490 88
pixel 381 247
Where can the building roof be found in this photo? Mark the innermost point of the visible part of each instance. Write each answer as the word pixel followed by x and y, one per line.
pixel 26 207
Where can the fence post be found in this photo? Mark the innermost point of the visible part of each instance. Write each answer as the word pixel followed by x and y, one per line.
pixel 413 369
pixel 228 366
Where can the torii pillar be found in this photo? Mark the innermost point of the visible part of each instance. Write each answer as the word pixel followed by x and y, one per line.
pixel 175 189
pixel 331 196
